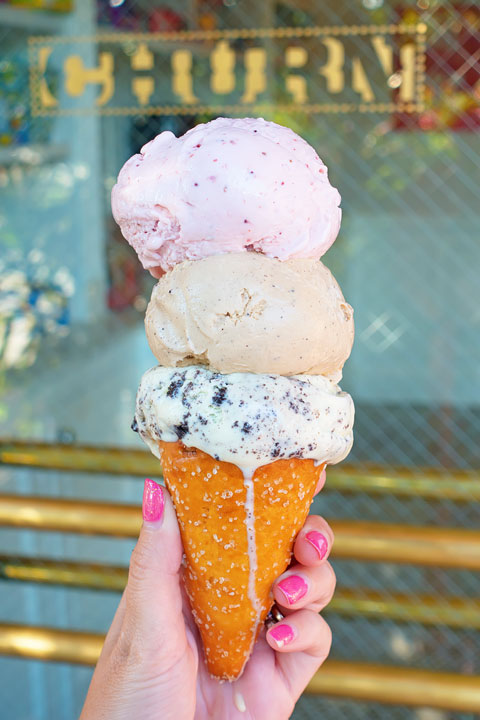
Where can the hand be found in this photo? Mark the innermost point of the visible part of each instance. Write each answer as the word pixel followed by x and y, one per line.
pixel 152 666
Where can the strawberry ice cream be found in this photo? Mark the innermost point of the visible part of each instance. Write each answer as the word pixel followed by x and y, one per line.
pixel 227 186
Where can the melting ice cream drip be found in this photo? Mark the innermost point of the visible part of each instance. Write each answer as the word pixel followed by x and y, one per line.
pixel 251 543
pixel 239 702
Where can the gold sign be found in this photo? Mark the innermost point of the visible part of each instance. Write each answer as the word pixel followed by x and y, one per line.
pixel 340 69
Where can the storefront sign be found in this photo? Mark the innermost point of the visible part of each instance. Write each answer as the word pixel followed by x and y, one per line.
pixel 341 69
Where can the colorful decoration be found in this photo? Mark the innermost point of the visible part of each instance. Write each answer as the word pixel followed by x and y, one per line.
pixel 164 19
pixel 53 5
pixel 452 77
pixel 122 15
pixel 129 284
pixel 14 111
pixel 207 21
pixel 33 304
pixel 15 115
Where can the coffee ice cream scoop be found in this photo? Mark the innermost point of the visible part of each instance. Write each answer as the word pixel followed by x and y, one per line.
pixel 244 312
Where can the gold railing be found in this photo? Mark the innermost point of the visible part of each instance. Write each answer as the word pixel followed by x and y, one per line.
pixel 361 681
pixel 462 486
pixel 441 547
pixel 397 685
pixel 425 609
pixel 55 572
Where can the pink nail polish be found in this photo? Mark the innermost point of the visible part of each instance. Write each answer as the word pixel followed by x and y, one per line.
pixel 153 502
pixel 318 541
pixel 294 588
pixel 281 635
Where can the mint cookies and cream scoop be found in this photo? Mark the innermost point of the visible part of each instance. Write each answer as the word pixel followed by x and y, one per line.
pixel 245 418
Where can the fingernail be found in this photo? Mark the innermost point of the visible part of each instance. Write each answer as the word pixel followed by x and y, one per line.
pixel 282 635
pixel 318 541
pixel 294 588
pixel 153 501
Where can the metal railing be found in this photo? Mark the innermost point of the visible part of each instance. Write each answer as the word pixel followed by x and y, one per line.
pixel 426 609
pixel 440 547
pixel 362 681
pixel 459 485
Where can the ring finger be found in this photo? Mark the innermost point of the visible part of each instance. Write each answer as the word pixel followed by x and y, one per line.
pixel 305 587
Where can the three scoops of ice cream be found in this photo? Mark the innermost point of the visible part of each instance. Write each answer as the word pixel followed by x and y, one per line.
pixel 251 332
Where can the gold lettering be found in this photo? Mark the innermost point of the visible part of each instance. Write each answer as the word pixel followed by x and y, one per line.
pixel 182 80
pixel 296 85
pixel 407 61
pixel 142 58
pixel 255 78
pixel 143 88
pixel 395 54
pixel 333 68
pixel 46 98
pixel 222 61
pixel 360 81
pixel 78 77
pixel 384 53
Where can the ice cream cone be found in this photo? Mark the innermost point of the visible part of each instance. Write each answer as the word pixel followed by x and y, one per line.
pixel 238 532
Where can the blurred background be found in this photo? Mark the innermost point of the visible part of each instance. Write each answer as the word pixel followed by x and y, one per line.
pixel 389 95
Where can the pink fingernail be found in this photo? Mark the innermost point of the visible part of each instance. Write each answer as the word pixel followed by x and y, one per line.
pixel 153 501
pixel 319 542
pixel 281 635
pixel 294 588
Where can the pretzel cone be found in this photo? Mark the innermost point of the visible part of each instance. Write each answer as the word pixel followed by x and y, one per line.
pixel 238 534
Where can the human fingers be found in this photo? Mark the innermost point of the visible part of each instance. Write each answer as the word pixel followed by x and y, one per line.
pixel 321 482
pixel 302 642
pixel 114 629
pixel 148 635
pixel 153 617
pixel 314 541
pixel 305 587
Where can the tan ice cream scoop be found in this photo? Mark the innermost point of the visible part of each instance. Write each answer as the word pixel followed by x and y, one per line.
pixel 244 312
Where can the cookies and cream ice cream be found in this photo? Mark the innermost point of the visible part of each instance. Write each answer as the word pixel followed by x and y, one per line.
pixel 225 187
pixel 219 310
pixel 246 419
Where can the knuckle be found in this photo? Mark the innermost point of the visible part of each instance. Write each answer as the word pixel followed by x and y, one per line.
pixel 127 652
pixel 327 530
pixel 320 639
pixel 326 588
pixel 324 640
pixel 331 534
pixel 331 579
pixel 140 562
pixel 317 522
pixel 327 637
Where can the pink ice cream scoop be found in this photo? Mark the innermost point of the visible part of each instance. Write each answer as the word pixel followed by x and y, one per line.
pixel 227 186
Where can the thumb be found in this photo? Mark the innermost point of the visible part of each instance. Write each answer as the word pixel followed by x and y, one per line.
pixel 153 598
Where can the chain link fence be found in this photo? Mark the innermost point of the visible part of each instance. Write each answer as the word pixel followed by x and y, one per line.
pixel 407 259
